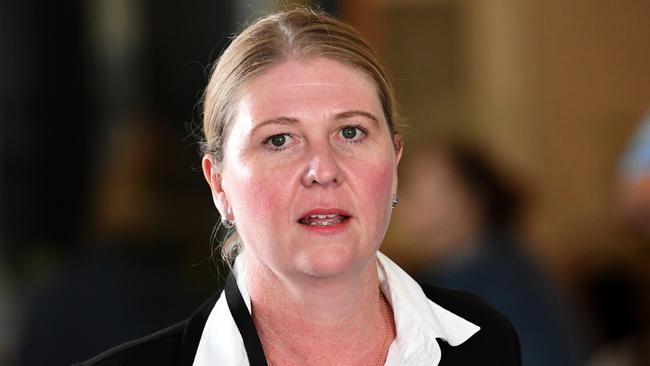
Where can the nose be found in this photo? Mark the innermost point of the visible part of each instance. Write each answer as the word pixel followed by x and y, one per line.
pixel 322 168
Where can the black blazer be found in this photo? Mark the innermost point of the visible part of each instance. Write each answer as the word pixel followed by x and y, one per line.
pixel 496 343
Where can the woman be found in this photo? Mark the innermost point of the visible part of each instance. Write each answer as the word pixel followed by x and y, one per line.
pixel 301 151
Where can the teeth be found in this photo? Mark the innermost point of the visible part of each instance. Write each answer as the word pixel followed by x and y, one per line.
pixel 323 216
pixel 323 220
pixel 325 223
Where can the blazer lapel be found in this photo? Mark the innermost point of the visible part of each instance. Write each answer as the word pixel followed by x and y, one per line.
pixel 194 330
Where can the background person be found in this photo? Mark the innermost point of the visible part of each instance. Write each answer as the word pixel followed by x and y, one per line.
pixel 620 291
pixel 125 266
pixel 463 214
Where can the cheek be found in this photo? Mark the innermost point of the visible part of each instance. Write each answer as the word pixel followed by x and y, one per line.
pixel 376 184
pixel 269 196
pixel 258 200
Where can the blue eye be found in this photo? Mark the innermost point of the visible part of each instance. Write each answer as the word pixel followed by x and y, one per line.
pixel 349 132
pixel 279 141
pixel 352 133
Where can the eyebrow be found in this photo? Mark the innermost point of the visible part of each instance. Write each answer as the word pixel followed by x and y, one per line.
pixel 282 120
pixel 276 121
pixel 350 114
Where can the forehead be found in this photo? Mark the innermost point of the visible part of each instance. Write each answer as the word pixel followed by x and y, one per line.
pixel 315 85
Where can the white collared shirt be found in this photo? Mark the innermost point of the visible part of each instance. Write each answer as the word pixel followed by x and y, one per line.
pixel 418 320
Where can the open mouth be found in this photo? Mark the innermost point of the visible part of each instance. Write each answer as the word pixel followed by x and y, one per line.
pixel 323 219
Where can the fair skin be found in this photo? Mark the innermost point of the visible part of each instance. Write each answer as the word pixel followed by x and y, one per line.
pixel 310 139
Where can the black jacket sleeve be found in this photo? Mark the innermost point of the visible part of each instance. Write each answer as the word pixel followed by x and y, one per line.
pixel 161 348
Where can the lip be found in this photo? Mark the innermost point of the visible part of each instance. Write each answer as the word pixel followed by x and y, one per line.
pixel 330 229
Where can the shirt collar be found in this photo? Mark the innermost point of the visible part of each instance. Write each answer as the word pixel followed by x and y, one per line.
pixel 418 320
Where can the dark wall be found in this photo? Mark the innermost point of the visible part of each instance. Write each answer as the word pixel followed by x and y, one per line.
pixel 51 122
pixel 43 122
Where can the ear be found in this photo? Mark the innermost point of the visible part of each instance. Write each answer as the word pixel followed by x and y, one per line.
pixel 213 177
pixel 398 142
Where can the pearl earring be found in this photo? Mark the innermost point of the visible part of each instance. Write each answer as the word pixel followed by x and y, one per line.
pixel 228 224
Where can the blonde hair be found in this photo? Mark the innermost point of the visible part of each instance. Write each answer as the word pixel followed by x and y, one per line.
pixel 300 33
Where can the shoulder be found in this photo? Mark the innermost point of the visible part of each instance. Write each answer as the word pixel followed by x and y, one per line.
pixel 464 304
pixel 175 345
pixel 161 348
pixel 495 343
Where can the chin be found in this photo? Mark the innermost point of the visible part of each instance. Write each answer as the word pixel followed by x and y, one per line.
pixel 332 264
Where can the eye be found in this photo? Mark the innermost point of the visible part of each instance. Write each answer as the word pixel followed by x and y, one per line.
pixel 352 133
pixel 279 141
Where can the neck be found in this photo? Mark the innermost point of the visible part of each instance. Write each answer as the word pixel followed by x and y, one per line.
pixel 314 321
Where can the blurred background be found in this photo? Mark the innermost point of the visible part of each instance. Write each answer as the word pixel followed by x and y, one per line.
pixel 525 176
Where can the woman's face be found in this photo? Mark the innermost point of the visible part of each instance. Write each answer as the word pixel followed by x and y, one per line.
pixel 309 169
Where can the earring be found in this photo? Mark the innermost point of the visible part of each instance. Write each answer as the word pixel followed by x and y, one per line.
pixel 228 224
pixel 394 202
